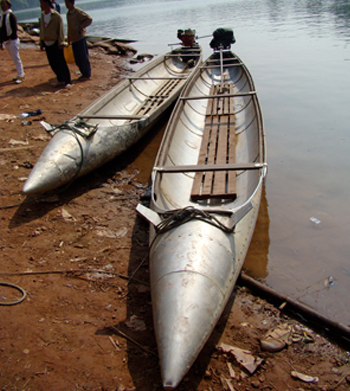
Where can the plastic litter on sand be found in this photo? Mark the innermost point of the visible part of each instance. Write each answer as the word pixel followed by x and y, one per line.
pixel 30 113
pixel 315 220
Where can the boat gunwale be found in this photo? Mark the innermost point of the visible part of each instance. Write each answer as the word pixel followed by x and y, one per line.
pixel 106 98
pixel 156 171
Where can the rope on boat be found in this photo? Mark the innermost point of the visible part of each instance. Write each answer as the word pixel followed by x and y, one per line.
pixel 178 217
pixel 80 128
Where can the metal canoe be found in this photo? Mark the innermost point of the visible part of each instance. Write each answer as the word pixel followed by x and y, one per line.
pixel 198 248
pixel 121 117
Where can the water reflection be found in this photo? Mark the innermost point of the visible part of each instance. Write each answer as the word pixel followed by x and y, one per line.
pixel 341 10
pixel 255 264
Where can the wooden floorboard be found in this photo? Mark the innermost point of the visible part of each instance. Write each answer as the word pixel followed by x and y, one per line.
pixel 219 183
pixel 159 96
pixel 218 147
pixel 231 188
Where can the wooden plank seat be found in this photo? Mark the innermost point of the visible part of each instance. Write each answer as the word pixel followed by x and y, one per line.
pixel 158 97
pixel 218 148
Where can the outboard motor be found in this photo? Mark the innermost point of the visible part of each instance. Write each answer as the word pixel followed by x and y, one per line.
pixel 190 46
pixel 221 43
pixel 187 37
pixel 223 38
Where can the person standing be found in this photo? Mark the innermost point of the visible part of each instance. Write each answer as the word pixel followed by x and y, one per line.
pixel 77 21
pixel 9 38
pixel 52 41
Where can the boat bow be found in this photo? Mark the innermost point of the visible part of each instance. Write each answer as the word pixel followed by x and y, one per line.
pixel 206 190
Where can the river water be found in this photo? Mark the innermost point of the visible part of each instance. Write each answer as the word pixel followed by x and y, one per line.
pixel 298 52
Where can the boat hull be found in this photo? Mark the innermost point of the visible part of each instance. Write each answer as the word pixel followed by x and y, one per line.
pixel 193 271
pixel 198 249
pixel 121 117
pixel 69 155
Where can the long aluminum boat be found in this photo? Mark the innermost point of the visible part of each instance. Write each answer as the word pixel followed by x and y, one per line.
pixel 206 189
pixel 114 122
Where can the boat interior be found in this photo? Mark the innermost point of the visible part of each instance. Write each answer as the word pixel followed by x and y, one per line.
pixel 141 95
pixel 213 149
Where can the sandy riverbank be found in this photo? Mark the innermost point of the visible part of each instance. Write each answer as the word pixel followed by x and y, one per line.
pixel 77 330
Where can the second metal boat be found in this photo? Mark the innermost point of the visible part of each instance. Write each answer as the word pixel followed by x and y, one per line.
pixel 114 122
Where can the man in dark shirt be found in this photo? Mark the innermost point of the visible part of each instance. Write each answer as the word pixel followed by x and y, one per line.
pixel 9 38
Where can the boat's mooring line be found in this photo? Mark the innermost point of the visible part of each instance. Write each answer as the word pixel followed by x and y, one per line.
pixel 75 131
pixel 68 271
pixel 23 292
pixel 177 217
pixel 118 331
pixel 25 202
pixel 74 128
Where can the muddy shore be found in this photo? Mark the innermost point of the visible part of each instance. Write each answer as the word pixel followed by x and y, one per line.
pixel 84 325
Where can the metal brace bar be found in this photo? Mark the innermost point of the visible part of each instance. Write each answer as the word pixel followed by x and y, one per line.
pixel 210 167
pixel 182 55
pixel 239 64
pixel 111 116
pixel 248 93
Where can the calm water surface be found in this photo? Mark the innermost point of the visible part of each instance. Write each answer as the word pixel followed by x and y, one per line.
pixel 299 55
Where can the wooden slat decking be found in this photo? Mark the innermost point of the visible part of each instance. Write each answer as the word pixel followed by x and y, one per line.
pixel 218 147
pixel 160 95
pixel 150 103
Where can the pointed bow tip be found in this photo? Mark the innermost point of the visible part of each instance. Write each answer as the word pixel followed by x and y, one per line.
pixel 166 387
pixel 30 188
pixel 170 385
pixel 26 189
pixel 172 376
pixel 35 186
